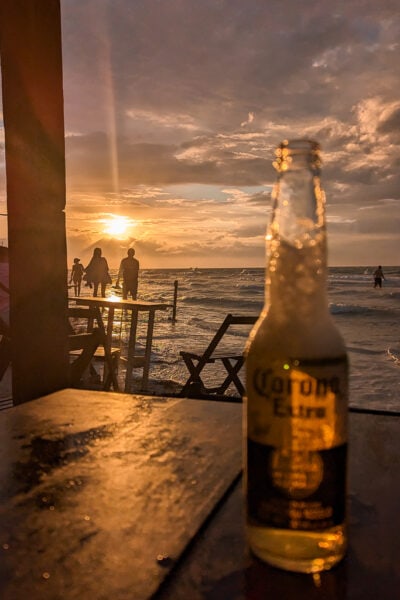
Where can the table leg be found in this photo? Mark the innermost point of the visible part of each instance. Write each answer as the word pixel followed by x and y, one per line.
pixel 106 337
pixel 131 351
pixel 147 355
pixel 110 324
pixel 100 322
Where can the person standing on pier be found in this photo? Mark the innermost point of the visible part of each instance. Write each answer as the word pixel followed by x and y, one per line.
pixel 97 272
pixel 129 273
pixel 76 276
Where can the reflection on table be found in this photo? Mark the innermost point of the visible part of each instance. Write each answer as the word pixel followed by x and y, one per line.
pixel 107 495
pixel 134 307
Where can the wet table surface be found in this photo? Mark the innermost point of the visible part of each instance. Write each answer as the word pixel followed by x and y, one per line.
pixel 114 496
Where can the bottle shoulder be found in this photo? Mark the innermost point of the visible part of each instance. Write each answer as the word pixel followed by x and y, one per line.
pixel 297 338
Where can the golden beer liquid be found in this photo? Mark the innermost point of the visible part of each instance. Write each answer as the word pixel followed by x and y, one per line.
pixel 296 414
pixel 298 429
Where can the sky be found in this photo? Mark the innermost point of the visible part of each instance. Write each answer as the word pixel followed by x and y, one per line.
pixel 173 109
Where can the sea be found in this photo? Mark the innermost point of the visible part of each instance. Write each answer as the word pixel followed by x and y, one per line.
pixel 368 318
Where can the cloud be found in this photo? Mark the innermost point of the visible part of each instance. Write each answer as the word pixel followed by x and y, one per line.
pixel 89 163
pixel 251 230
pixel 168 120
pixel 389 121
pixel 250 119
pixel 160 95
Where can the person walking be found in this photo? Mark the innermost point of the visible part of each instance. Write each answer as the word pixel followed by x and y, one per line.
pixel 129 273
pixel 97 273
pixel 76 276
pixel 378 276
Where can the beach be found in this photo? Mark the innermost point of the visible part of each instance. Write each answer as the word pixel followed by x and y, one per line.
pixel 368 319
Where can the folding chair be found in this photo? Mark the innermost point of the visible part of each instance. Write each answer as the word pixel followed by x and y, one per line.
pixel 81 323
pixel 195 363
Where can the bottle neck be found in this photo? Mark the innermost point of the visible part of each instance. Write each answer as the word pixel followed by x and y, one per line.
pixel 296 282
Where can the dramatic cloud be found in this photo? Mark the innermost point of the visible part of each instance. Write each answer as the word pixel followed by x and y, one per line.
pixel 173 110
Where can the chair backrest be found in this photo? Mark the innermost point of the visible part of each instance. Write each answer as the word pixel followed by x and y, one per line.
pixel 82 337
pixel 86 321
pixel 226 323
pixel 87 343
pixel 81 318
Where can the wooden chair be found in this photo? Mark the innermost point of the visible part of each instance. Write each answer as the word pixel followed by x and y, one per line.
pixel 81 322
pixel 195 362
pixel 82 348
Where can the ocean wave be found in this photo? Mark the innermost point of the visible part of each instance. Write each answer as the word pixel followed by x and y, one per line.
pixel 200 323
pixel 367 318
pixel 393 295
pixel 357 309
pixel 196 299
pixel 228 303
pixel 360 350
pixel 251 289
pixel 340 308
pixel 194 284
pixel 349 279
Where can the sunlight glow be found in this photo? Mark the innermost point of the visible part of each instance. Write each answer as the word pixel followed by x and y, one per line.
pixel 118 226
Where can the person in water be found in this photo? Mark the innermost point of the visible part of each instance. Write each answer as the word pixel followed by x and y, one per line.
pixel 129 273
pixel 76 276
pixel 378 276
pixel 97 272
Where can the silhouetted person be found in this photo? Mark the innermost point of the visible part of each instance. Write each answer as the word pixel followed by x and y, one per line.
pixel 97 272
pixel 129 273
pixel 76 276
pixel 378 276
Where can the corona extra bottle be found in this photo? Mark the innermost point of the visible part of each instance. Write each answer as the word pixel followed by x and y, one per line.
pixel 296 384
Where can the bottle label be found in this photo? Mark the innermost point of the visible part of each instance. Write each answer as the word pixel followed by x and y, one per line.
pixel 296 451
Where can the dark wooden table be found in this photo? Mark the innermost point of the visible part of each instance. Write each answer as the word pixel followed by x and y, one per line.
pixel 109 496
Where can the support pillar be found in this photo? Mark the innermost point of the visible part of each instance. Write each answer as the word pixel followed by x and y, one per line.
pixel 31 66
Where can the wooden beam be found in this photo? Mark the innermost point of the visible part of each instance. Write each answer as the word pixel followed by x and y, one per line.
pixel 31 65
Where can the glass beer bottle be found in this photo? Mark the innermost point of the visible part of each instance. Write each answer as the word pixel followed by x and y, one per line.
pixel 296 384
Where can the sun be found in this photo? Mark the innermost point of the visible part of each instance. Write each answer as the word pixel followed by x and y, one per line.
pixel 117 225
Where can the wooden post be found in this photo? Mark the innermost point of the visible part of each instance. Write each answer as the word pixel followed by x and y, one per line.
pixel 31 65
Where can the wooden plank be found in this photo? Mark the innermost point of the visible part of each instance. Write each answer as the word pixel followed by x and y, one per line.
pixel 95 487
